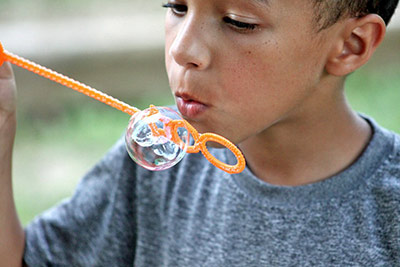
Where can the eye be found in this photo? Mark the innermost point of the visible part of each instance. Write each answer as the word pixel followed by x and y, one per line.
pixel 177 9
pixel 239 25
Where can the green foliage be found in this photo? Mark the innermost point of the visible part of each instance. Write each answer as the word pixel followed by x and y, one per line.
pixel 377 94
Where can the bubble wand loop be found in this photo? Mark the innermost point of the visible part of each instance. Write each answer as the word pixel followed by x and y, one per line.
pixel 161 129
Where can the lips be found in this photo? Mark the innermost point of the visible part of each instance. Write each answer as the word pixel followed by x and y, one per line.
pixel 188 107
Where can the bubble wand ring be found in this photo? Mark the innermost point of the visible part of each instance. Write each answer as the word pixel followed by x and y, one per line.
pixel 167 125
pixel 201 143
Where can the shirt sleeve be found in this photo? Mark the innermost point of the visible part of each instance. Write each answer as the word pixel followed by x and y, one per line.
pixel 96 226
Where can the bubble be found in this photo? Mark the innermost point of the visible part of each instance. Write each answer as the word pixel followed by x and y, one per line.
pixel 153 140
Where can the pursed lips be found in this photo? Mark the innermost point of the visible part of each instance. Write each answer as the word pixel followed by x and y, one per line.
pixel 190 107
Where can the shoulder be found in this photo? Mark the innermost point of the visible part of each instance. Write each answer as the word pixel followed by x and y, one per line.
pixel 393 160
pixel 384 198
pixel 390 167
pixel 385 182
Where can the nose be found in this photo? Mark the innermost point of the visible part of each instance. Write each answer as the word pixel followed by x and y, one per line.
pixel 190 48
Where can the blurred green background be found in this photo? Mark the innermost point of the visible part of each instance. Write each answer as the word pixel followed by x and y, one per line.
pixel 61 133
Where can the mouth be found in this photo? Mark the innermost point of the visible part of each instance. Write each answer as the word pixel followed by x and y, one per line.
pixel 189 107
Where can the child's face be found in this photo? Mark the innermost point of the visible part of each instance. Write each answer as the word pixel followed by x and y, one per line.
pixel 236 67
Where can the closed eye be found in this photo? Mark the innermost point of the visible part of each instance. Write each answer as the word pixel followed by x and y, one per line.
pixel 239 25
pixel 177 9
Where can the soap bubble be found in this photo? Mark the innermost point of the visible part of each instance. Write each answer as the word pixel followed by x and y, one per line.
pixel 152 138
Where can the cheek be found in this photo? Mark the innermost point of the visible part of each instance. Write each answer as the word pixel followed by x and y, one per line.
pixel 264 86
pixel 166 51
pixel 169 38
pixel 248 76
pixel 168 59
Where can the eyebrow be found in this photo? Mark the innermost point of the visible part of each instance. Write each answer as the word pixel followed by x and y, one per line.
pixel 264 3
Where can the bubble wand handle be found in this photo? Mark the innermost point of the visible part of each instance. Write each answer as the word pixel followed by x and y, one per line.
pixel 200 139
pixel 66 81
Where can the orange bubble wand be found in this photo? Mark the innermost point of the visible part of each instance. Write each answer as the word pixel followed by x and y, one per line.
pixel 200 140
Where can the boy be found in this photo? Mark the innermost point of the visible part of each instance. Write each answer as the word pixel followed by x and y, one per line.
pixel 322 183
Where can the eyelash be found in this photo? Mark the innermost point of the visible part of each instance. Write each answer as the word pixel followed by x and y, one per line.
pixel 180 10
pixel 239 25
pixel 177 9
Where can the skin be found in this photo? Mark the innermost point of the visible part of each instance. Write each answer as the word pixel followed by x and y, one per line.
pixel 277 91
pixel 268 89
pixel 11 233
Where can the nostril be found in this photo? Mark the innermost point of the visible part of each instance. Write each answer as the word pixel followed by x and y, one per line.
pixel 194 65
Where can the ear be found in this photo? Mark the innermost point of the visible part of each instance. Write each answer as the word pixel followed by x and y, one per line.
pixel 356 43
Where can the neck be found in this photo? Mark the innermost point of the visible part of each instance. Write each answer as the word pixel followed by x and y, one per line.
pixel 306 148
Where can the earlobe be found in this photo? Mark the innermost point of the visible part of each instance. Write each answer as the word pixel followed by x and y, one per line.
pixel 356 44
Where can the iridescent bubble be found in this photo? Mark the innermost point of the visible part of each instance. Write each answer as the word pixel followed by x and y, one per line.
pixel 153 140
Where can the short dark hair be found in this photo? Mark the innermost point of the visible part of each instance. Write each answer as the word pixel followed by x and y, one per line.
pixel 330 11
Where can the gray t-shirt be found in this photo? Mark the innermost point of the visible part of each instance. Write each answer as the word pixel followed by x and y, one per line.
pixel 197 215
